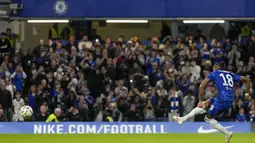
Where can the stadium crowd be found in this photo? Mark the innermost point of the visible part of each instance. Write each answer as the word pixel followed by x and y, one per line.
pixel 104 80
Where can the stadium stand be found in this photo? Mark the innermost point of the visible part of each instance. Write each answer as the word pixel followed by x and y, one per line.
pixel 132 80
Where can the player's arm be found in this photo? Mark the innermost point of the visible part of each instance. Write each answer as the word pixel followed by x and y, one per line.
pixel 203 104
pixel 202 86
pixel 247 82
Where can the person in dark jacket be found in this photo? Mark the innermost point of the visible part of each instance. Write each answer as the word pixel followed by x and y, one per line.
pixel 41 49
pixel 31 98
pixel 4 44
pixel 132 115
pixel 73 114
pixel 43 115
pixel 5 99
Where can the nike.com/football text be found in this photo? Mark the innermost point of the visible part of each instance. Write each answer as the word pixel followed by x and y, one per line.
pixel 93 129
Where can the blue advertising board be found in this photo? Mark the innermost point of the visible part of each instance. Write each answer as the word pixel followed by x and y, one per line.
pixel 116 128
pixel 93 8
pixel 136 8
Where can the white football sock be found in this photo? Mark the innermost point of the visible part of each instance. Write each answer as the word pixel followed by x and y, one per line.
pixel 194 112
pixel 217 126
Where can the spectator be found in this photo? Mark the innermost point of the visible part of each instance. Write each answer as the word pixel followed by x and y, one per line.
pixel 149 112
pixel 88 98
pixel 195 71
pixel 251 48
pixel 227 45
pixel 55 117
pixel 32 98
pixel 121 90
pixel 71 98
pixel 186 68
pixel 217 53
pixel 251 112
pixel 17 78
pixel 175 103
pixel 85 113
pixel 54 32
pixel 73 114
pixel 165 31
pixel 4 45
pixel 41 49
pixel 85 43
pixel 238 104
pixel 5 100
pixel 205 53
pixel 241 117
pixel 43 95
pixel 155 75
pixel 189 104
pixel 42 115
pixel 183 84
pixel 132 114
pixel 233 56
pixel 116 114
pixel 152 62
pixel 4 71
pixel 17 103
pixel 94 35
pixel 71 43
pixel 3 118
pixel 11 37
pixel 10 87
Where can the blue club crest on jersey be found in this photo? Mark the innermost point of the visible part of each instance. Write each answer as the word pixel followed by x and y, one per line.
pixel 60 7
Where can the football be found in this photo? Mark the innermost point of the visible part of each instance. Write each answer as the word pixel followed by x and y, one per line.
pixel 26 111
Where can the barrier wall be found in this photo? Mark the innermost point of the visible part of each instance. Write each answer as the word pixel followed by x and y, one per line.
pixel 137 8
pixel 117 128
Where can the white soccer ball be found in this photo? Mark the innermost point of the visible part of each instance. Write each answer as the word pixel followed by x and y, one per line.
pixel 26 111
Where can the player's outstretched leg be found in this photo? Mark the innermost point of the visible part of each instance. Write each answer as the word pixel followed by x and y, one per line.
pixel 219 127
pixel 194 112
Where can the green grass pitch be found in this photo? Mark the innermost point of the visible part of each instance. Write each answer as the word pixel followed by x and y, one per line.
pixel 118 138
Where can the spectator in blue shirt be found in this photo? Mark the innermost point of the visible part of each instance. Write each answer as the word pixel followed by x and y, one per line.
pixel 227 45
pixel 150 60
pixel 201 43
pixel 175 102
pixel 88 98
pixel 217 53
pixel 205 53
pixel 184 84
pixel 17 78
pixel 241 117
pixel 31 98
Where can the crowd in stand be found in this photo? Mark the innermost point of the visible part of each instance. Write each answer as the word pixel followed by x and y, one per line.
pixel 95 79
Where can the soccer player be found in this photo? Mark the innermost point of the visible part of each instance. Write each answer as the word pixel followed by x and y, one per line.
pixel 224 82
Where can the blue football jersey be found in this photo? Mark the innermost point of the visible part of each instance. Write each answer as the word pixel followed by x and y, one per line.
pixel 224 82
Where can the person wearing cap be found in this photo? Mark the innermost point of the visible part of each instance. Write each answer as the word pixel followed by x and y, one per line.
pixel 54 117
